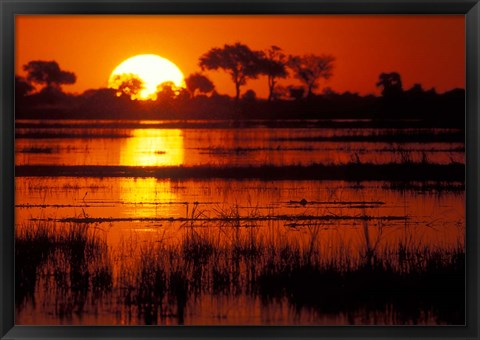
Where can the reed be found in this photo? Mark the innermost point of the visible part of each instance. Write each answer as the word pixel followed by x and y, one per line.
pixel 158 280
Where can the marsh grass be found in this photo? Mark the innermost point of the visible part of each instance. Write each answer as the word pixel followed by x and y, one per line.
pixel 307 273
pixel 72 259
pixel 159 280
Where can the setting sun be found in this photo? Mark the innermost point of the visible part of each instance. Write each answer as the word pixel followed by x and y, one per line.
pixel 152 70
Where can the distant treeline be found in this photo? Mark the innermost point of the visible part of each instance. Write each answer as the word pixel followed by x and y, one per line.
pixel 442 109
pixel 39 95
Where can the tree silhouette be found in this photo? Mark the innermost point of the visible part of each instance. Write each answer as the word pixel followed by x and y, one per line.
pixel 391 83
pixel 127 84
pixel 249 96
pixel 197 82
pixel 238 60
pixel 274 65
pixel 166 91
pixel 281 92
pixel 22 87
pixel 48 73
pixel 296 92
pixel 310 68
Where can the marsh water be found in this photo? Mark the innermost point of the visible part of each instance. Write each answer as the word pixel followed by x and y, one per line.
pixel 133 216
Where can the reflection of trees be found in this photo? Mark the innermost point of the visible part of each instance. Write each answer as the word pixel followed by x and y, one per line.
pixel 49 74
pixel 238 60
pixel 128 84
pixel 197 82
pixel 310 68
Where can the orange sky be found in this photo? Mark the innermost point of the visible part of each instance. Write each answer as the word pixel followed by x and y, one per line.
pixel 428 49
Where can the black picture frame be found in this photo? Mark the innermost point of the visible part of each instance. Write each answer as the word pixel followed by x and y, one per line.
pixel 10 8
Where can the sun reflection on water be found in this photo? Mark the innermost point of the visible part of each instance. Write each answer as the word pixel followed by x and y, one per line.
pixel 153 147
pixel 150 147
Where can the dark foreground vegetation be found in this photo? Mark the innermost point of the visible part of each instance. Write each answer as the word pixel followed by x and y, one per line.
pixel 71 268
